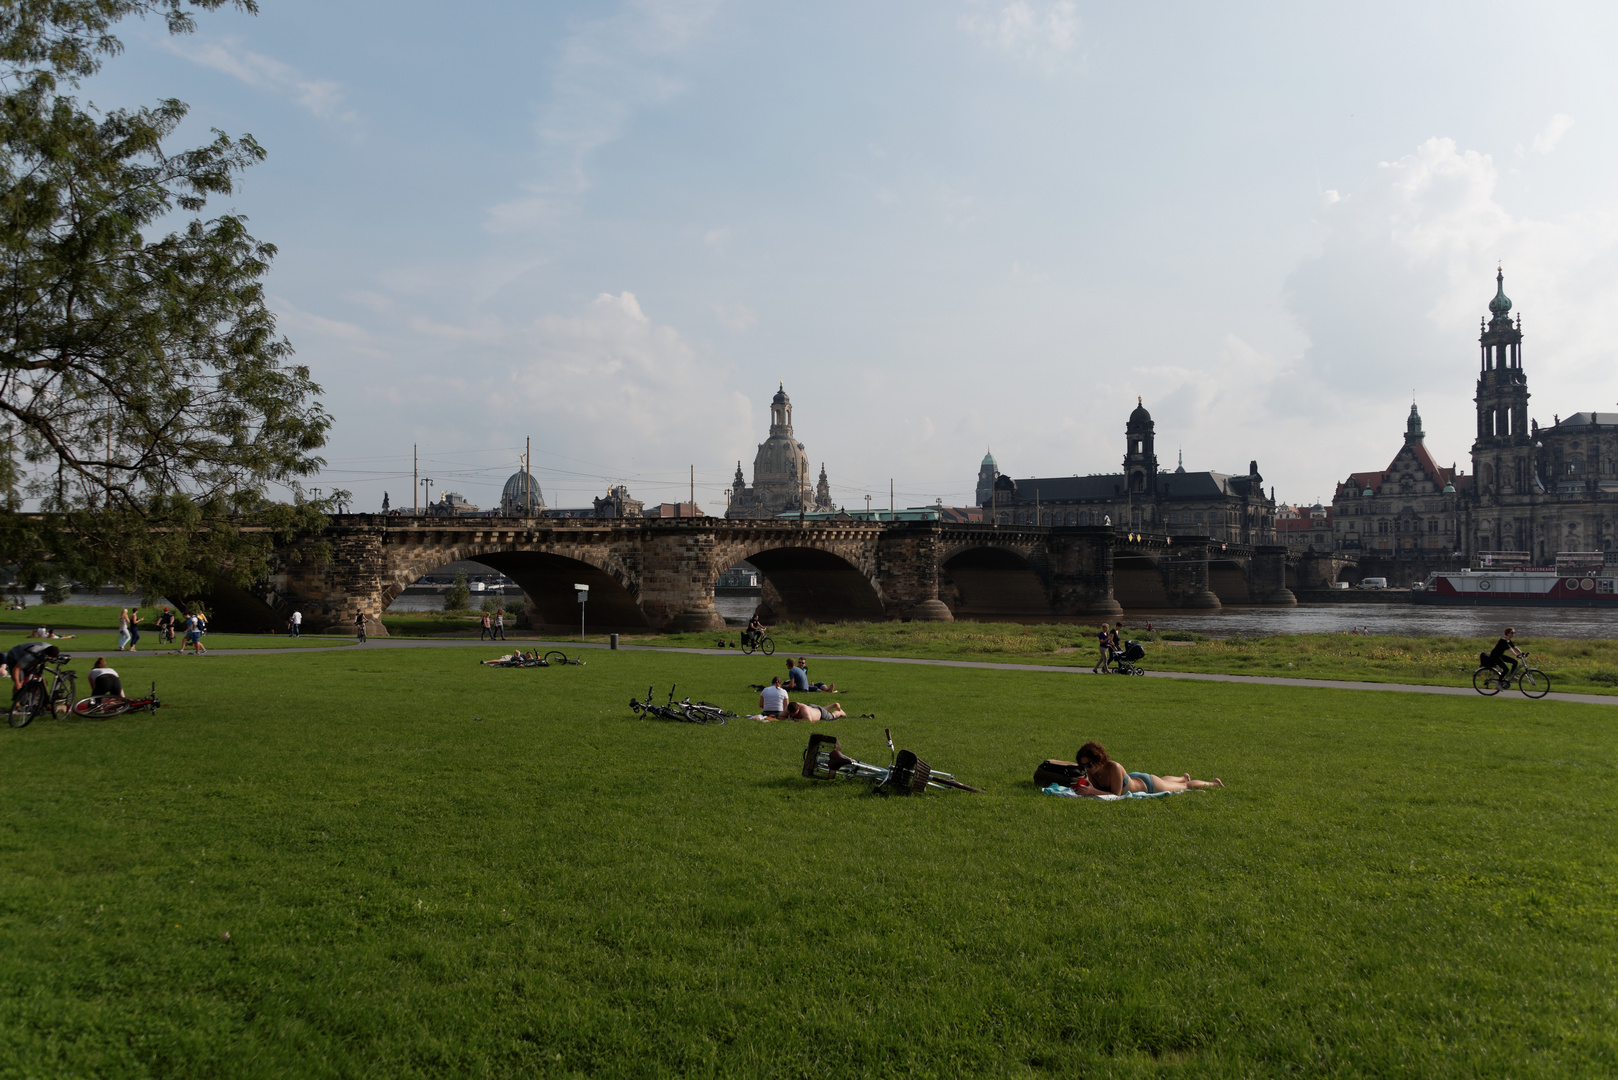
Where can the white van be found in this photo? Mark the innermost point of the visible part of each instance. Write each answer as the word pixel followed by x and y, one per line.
pixel 1374 583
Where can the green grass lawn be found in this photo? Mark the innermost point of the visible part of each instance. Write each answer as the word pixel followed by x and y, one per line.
pixel 1589 667
pixel 92 642
pixel 1391 885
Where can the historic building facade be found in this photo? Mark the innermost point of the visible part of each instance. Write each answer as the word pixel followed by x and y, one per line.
pixel 1141 497
pixel 1534 490
pixel 1414 505
pixel 781 480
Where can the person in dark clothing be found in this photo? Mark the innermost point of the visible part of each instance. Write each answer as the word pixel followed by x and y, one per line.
pixel 104 681
pixel 23 659
pixel 1505 655
pixel 359 626
pixel 754 631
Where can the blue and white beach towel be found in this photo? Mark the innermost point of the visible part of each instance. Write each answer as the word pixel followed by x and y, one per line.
pixel 1068 793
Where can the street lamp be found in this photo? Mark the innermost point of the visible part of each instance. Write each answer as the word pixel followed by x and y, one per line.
pixel 426 494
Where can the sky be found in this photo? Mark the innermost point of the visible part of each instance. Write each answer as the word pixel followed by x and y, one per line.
pixel 615 228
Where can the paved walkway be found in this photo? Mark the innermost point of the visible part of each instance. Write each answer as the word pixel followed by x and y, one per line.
pixel 1196 676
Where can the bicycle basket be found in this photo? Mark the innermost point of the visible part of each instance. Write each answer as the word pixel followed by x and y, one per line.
pixel 1133 650
pixel 824 757
pixel 909 776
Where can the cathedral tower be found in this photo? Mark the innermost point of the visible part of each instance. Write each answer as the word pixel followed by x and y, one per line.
pixel 987 472
pixel 1502 453
pixel 1140 460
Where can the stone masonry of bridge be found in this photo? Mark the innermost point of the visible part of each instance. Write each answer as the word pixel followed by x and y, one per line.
pixel 659 574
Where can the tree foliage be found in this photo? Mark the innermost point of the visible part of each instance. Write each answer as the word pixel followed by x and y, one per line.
pixel 146 401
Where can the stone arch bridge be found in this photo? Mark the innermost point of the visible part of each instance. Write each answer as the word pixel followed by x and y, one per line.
pixel 648 575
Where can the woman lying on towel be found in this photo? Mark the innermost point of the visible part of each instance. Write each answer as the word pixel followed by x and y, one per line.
pixel 1107 777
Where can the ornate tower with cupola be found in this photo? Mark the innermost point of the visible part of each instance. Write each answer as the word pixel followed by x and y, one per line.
pixel 1502 453
pixel 1140 460
pixel 987 474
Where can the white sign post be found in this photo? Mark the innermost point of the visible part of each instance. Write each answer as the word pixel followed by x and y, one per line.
pixel 583 595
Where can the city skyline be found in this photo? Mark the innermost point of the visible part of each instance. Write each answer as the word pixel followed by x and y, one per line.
pixel 614 230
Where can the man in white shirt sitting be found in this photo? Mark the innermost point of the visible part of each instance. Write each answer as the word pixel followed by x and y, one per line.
pixel 772 700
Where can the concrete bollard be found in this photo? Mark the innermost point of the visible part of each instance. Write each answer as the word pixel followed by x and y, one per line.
pixel 613 638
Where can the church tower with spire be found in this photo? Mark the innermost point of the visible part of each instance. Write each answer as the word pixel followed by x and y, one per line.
pixel 1502 453
pixel 987 472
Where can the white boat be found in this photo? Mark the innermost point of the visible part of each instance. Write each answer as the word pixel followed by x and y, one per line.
pixel 1504 578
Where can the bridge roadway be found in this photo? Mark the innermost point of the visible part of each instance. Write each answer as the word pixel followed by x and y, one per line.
pixel 986 665
pixel 655 574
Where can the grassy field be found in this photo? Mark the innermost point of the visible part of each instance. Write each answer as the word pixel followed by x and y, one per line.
pixel 429 868
pixel 1589 667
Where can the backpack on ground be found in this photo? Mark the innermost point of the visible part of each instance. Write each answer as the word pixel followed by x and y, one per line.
pixel 1057 772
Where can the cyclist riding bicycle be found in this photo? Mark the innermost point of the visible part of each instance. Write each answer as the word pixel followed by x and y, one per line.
pixel 754 631
pixel 25 659
pixel 1499 659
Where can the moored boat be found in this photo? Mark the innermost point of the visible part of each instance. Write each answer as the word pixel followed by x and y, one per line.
pixel 1578 579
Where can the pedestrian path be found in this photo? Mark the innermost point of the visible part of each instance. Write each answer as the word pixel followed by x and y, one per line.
pixel 986 665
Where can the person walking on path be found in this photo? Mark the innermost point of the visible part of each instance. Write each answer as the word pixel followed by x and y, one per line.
pixel 1105 659
pixel 297 624
pixel 134 628
pixel 486 632
pixel 359 625
pixel 500 623
pixel 123 629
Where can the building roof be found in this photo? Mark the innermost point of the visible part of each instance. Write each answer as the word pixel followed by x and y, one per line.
pixel 1108 486
pixel 988 458
pixel 518 488
pixel 1587 419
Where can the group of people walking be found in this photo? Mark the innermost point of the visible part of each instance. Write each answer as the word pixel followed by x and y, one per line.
pixel 494 626
pixel 168 623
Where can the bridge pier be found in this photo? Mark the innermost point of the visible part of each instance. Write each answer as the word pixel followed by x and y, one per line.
pixel 907 568
pixel 1267 577
pixel 1081 574
pixel 1185 578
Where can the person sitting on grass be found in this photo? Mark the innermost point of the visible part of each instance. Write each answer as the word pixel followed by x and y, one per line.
pixel 1504 657
pixel 797 710
pixel 798 678
pixel 1107 777
pixel 773 701
pixel 104 682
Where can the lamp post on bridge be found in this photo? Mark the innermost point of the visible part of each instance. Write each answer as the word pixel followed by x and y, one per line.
pixel 426 494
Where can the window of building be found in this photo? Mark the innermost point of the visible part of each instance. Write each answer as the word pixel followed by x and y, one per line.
pixel 1199 517
pixel 1382 527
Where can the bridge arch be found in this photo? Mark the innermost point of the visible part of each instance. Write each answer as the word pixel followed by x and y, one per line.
pixel 991 582
pixel 805 582
pixel 546 579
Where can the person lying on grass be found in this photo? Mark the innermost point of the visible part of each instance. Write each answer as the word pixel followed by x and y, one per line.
pixel 515 659
pixel 797 710
pixel 1107 777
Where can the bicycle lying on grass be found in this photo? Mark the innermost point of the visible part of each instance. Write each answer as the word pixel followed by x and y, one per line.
pixel 36 697
pixel 554 658
pixel 1531 681
pixel 906 774
pixel 106 706
pixel 687 711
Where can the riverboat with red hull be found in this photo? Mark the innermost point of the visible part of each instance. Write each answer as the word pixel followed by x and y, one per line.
pixel 1504 578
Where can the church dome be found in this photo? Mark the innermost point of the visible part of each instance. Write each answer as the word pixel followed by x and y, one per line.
pixel 1501 302
pixel 780 397
pixel 1140 415
pixel 518 490
pixel 988 459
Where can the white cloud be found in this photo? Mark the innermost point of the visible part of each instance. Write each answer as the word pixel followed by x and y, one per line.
pixel 604 73
pixel 322 97
pixel 1024 30
pixel 1406 269
pixel 1546 140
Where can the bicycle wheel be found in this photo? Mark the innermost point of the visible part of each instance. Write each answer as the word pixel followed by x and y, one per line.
pixel 748 647
pixel 767 647
pixel 64 693
pixel 102 709
pixel 1486 681
pixel 1534 683
pixel 27 705
pixel 555 656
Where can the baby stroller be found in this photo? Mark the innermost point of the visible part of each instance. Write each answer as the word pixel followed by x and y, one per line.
pixel 1123 662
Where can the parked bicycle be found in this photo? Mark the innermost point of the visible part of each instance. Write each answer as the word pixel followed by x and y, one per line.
pixel 906 773
pixel 50 689
pixel 686 712
pixel 106 706
pixel 763 643
pixel 1533 682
